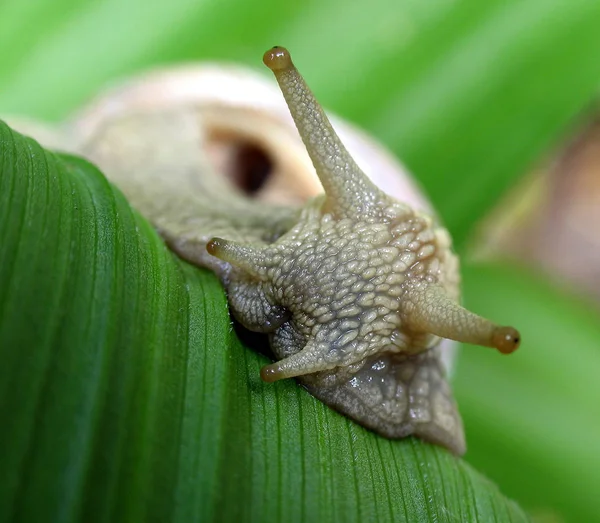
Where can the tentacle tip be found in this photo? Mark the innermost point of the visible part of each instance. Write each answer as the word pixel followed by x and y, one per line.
pixel 506 339
pixel 270 373
pixel 277 59
pixel 214 245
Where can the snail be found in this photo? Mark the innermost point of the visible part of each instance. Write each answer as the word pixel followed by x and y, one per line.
pixel 354 289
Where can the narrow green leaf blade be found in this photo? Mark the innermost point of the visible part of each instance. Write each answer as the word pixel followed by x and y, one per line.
pixel 98 319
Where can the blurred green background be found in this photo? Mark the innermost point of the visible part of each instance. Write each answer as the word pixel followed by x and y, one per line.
pixel 471 95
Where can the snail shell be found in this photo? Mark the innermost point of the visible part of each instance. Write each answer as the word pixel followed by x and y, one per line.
pixel 355 288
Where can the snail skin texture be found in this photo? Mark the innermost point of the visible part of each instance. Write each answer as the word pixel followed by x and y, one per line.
pixel 355 289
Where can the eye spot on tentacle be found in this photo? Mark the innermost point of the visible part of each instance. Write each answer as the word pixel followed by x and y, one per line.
pixel 213 246
pixel 270 374
pixel 277 58
pixel 506 339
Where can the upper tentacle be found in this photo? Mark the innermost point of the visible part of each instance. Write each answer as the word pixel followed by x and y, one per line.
pixel 349 190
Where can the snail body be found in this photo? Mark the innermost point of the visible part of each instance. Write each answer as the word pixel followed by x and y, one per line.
pixel 355 289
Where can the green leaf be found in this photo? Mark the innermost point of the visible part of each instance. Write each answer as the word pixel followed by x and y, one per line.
pixel 469 94
pixel 125 395
pixel 532 419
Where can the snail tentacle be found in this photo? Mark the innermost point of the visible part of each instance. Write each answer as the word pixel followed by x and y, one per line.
pixel 349 190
